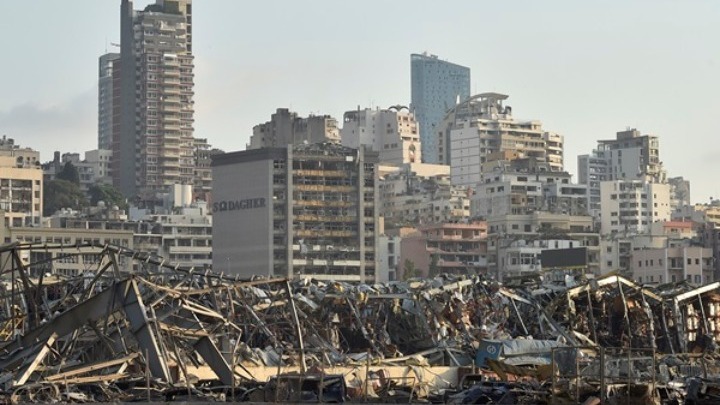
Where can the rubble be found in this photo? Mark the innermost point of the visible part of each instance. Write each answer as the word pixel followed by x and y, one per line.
pixel 166 333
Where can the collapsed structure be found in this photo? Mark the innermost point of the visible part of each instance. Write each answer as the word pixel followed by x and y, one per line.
pixel 167 332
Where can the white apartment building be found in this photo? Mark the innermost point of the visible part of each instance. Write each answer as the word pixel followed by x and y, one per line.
pixel 523 186
pixel 631 206
pixel 516 240
pixel 630 156
pixel 482 125
pixel 392 132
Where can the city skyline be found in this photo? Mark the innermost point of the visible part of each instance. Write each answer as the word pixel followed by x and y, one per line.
pixel 585 71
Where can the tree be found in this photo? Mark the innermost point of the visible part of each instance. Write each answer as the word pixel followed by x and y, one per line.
pixel 409 270
pixel 107 193
pixel 69 173
pixel 58 194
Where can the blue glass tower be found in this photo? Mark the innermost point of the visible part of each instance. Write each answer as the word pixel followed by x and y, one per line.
pixel 436 86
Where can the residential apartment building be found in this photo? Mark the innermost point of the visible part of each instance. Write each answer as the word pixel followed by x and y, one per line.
pixel 411 196
pixel 56 261
pixel 630 156
pixel 288 128
pixel 154 113
pixel 182 236
pixel 95 168
pixel 302 210
pixel 436 86
pixel 672 264
pixel 523 186
pixel 481 126
pixel 450 248
pixel 631 206
pixel 106 98
pixel 516 240
pixel 23 157
pixel 393 133
pixel 21 185
pixel 388 253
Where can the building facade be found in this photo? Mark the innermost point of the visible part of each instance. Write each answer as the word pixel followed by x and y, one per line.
pixel 153 137
pixel 392 133
pixel 630 156
pixel 106 99
pixel 481 126
pixel 436 86
pixel 693 264
pixel 21 193
pixel 303 210
pixel 288 128
pixel 631 206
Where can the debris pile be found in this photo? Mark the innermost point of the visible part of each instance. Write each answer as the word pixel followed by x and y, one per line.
pixel 167 333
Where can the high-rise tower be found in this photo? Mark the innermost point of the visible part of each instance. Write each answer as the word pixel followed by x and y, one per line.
pixel 436 86
pixel 105 99
pixel 153 139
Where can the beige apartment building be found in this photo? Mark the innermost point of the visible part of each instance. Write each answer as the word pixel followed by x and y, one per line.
pixel 288 128
pixel 482 125
pixel 153 107
pixel 453 248
pixel 392 132
pixel 672 264
pixel 21 193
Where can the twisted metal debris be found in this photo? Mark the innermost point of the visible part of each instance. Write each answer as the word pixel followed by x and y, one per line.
pixel 166 333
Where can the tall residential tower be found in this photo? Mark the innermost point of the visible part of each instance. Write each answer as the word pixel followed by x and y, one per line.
pixel 153 137
pixel 436 86
pixel 106 64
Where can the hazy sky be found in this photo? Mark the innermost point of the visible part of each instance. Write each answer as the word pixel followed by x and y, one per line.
pixel 585 69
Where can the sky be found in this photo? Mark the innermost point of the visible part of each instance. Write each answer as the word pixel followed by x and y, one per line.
pixel 585 69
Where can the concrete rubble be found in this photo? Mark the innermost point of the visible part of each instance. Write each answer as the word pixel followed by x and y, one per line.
pixel 171 334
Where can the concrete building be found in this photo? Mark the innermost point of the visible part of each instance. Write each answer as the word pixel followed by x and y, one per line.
pixel 182 236
pixel 303 210
pixel 436 86
pixel 393 133
pixel 70 265
pixel 411 196
pixel 672 264
pixel 679 193
pixel 153 124
pixel 21 185
pixel 523 186
pixel 481 126
pixel 517 235
pixel 95 168
pixel 388 252
pixel 23 157
pixel 106 99
pixel 288 128
pixel 453 248
pixel 630 156
pixel 631 206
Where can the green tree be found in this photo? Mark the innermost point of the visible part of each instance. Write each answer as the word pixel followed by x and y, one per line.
pixel 107 193
pixel 58 194
pixel 69 173
pixel 409 270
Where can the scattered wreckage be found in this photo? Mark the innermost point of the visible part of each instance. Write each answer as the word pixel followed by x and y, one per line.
pixel 166 333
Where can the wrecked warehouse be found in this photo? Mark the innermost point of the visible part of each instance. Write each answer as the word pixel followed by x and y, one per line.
pixel 166 332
